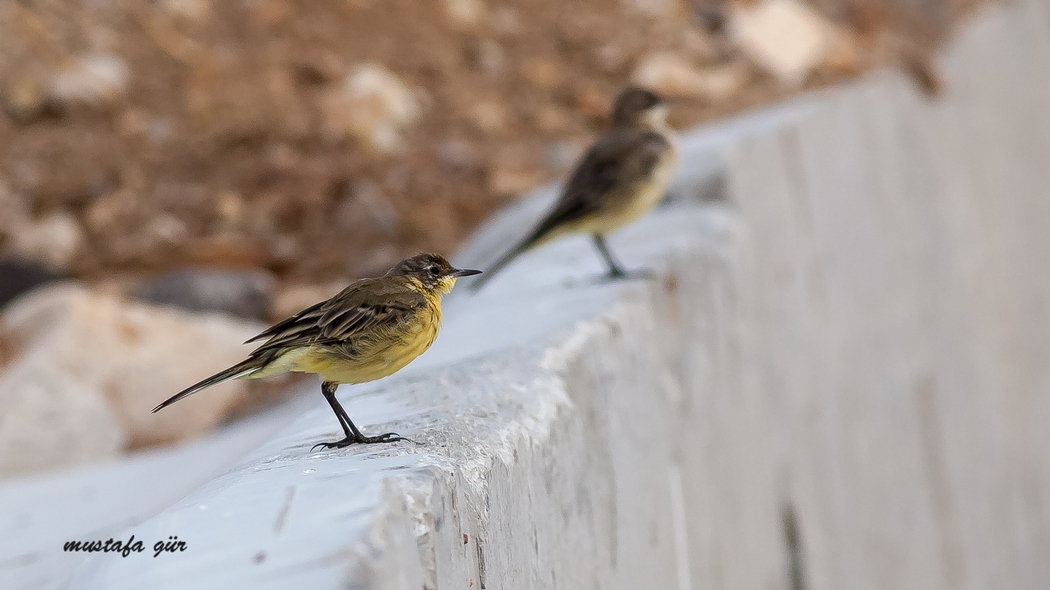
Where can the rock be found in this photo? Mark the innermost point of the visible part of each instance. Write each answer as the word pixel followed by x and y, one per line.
pixel 672 75
pixel 459 155
pixel 785 37
pixel 372 106
pixel 242 293
pixel 135 354
pixel 165 228
pixel 563 154
pixel 190 11
pixel 283 250
pixel 108 211
pixel 232 209
pixel 655 8
pixel 505 21
pixel 464 13
pixel 611 57
pixel 489 116
pixel 25 98
pixel 543 72
pixel 50 418
pixel 666 73
pixel 53 240
pixel 92 80
pixel 18 275
pixel 490 57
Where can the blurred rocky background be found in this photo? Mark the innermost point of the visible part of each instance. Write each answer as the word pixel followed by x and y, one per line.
pixel 176 173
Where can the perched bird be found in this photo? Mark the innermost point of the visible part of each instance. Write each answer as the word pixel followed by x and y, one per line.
pixel 369 330
pixel 619 179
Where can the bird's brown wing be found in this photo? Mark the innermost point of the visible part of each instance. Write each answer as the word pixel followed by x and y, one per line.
pixel 353 315
pixel 620 159
pixel 361 307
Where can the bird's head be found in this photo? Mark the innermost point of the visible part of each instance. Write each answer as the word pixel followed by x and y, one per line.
pixel 432 271
pixel 638 106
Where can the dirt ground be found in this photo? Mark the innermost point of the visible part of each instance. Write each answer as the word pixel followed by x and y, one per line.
pixel 208 142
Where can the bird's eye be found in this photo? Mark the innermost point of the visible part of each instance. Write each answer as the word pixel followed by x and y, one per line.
pixel 434 270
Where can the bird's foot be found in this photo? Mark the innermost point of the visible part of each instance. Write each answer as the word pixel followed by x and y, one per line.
pixel 365 440
pixel 382 438
pixel 334 445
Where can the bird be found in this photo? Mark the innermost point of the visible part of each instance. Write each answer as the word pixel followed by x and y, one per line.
pixel 369 330
pixel 620 178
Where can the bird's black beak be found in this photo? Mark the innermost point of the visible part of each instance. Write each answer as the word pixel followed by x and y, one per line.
pixel 465 272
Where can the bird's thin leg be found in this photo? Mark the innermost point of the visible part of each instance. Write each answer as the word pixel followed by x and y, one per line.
pixel 353 435
pixel 328 390
pixel 615 270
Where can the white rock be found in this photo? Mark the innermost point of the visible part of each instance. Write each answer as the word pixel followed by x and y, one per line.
pixel 672 75
pixel 53 240
pixel 137 355
pixel 49 419
pixel 91 79
pixel 784 37
pixel 464 13
pixel 372 106
pixel 655 8
pixel 196 11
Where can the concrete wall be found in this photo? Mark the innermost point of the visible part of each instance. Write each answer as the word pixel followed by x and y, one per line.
pixel 840 380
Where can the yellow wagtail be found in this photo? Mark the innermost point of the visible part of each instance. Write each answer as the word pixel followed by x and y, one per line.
pixel 369 330
pixel 619 179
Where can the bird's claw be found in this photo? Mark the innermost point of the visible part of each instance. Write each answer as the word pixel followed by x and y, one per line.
pixel 332 445
pixel 365 440
pixel 382 438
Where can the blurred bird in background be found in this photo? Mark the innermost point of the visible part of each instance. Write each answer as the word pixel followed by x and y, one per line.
pixel 620 178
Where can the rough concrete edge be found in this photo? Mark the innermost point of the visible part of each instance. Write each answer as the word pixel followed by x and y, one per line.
pixel 414 503
pixel 405 519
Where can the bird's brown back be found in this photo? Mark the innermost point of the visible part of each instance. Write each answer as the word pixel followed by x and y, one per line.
pixel 363 307
pixel 620 159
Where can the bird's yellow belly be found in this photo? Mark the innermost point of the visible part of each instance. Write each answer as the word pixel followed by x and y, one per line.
pixel 371 361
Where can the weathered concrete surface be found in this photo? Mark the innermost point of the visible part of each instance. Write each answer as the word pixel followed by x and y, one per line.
pixel 43 511
pixel 839 381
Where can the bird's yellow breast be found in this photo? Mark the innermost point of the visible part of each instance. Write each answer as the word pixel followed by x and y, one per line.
pixel 375 355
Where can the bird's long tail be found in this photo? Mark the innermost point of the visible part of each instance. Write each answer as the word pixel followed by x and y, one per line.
pixel 513 253
pixel 241 369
